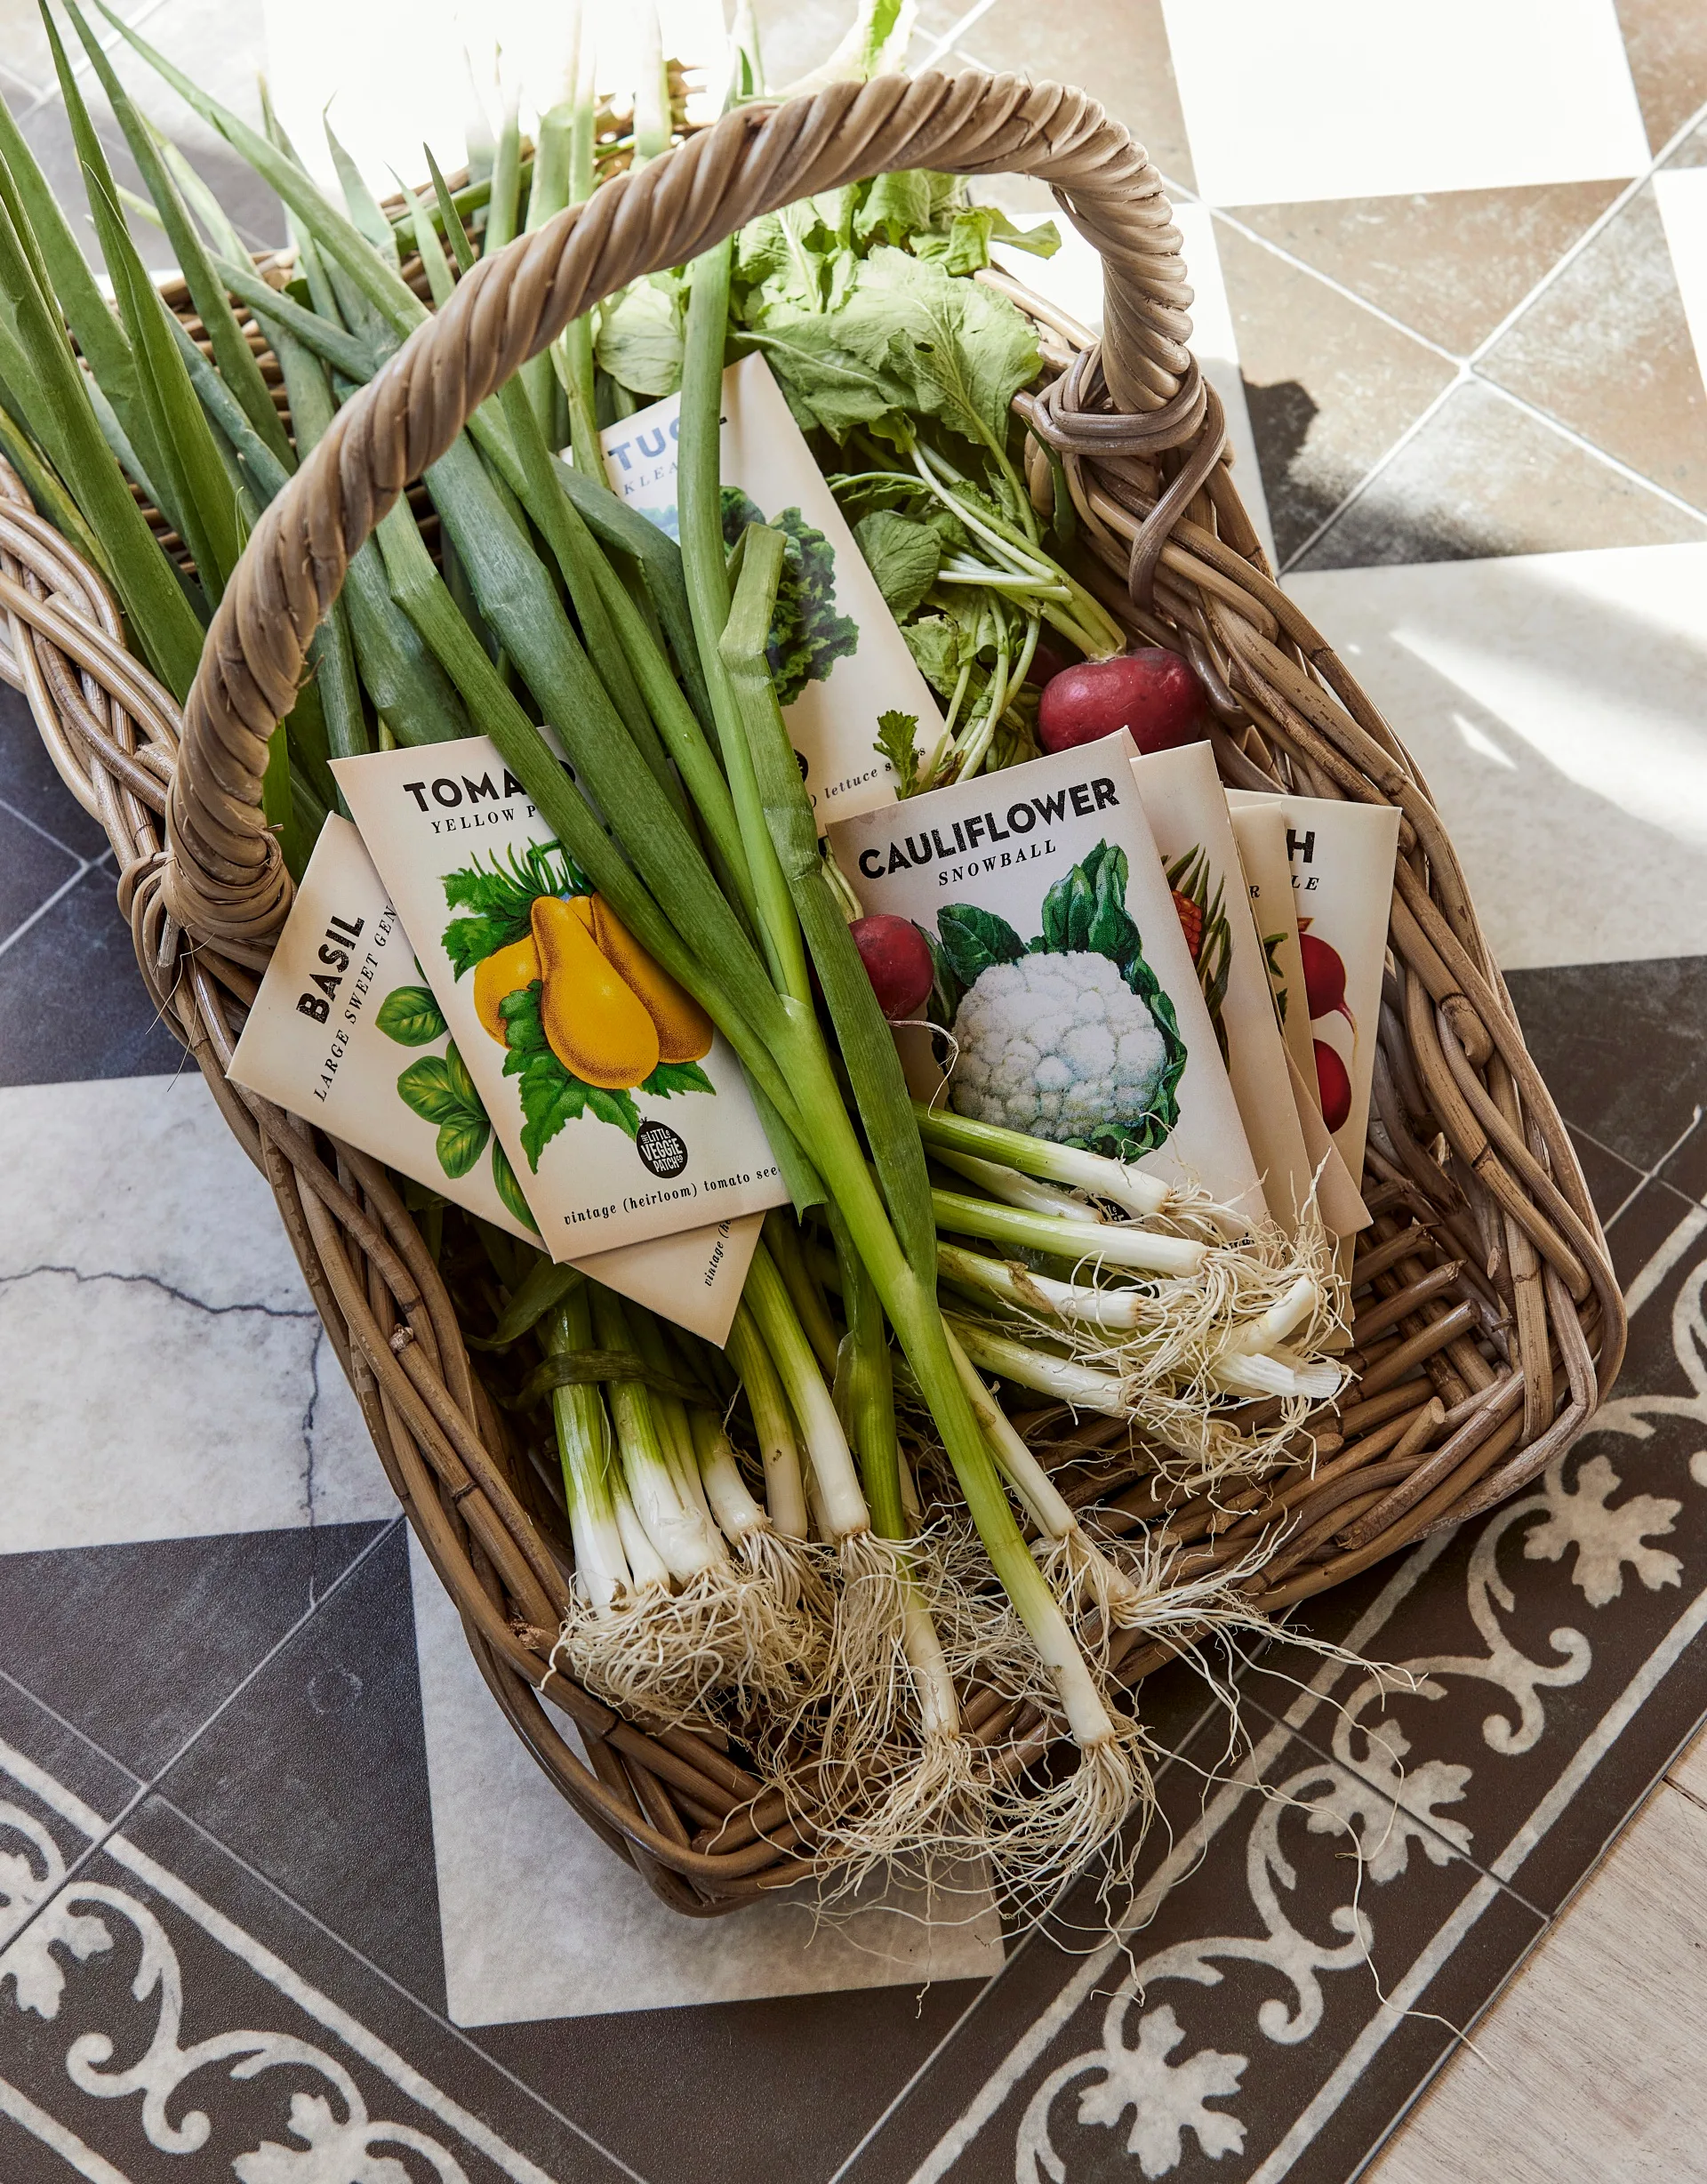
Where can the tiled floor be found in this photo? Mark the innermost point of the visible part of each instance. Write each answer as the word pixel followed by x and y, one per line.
pixel 1454 283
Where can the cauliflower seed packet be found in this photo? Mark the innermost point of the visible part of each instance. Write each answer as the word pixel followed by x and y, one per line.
pixel 346 1033
pixel 623 1113
pixel 838 655
pixel 1342 856
pixel 1063 980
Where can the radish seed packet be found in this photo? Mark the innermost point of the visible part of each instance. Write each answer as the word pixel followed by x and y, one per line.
pixel 1067 1003
pixel 346 1033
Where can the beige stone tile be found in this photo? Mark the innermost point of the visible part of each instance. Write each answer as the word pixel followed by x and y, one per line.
pixel 1666 43
pixel 1116 49
pixel 1605 349
pixel 1330 386
pixel 23 50
pixel 1589 2067
pixel 1482 478
pixel 795 35
pixel 1451 266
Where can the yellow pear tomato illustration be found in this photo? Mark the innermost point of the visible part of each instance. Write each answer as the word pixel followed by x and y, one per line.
pixel 684 1028
pixel 511 970
pixel 593 1022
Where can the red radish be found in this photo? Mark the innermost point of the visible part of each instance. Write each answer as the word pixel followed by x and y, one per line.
pixel 898 963
pixel 1152 691
pixel 1046 663
pixel 1332 1086
pixel 1324 979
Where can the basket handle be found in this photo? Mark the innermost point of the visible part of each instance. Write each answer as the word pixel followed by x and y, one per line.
pixel 225 877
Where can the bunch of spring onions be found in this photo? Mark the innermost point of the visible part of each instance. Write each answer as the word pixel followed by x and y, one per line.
pixel 749 1533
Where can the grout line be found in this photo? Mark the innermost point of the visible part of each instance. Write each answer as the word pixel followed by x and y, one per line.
pixel 35 827
pixel 1350 499
pixel 1588 446
pixel 42 909
pixel 1644 1176
pixel 952 35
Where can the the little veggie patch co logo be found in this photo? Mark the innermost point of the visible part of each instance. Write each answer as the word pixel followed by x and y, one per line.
pixel 587 1018
pixel 1069 1036
pixel 439 1089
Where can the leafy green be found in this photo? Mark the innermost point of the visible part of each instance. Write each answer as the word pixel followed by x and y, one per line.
pixel 902 554
pixel 963 247
pixel 671 1078
pixel 503 1180
pixel 412 1017
pixel 501 895
pixel 972 939
pixel 461 1143
pixel 897 741
pixel 940 649
pixel 428 1088
pixel 807 636
pixel 971 351
pixel 639 339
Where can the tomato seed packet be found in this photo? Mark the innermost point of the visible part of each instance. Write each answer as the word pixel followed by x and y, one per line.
pixel 1063 977
pixel 624 1115
pixel 1342 856
pixel 838 658
pixel 346 1033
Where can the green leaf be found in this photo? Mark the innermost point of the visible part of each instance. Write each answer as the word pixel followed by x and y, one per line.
pixel 524 1029
pixel 551 1098
pixel 897 741
pixel 461 1143
pixel 829 386
pixel 965 350
pixel 903 555
pixel 503 1181
pixel 639 339
pixel 502 895
pixel 972 939
pixel 897 206
pixel 670 1078
pixel 963 247
pixel 940 648
pixel 426 1088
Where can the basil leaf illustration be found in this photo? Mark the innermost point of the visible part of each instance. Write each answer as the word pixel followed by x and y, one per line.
pixel 462 1083
pixel 503 1178
pixel 412 1017
pixel 461 1143
pixel 426 1087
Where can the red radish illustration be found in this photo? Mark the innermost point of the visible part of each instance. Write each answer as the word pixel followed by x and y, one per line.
pixel 898 963
pixel 1332 1086
pixel 1152 691
pixel 1324 978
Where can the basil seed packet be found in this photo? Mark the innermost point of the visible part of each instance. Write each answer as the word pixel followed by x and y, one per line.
pixel 346 1033
pixel 1342 856
pixel 624 1114
pixel 838 658
pixel 1063 980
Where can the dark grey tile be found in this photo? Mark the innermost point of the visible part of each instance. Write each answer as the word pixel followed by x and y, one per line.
pixel 29 784
pixel 32 869
pixel 1623 1047
pixel 316 1775
pixel 1483 477
pixel 32 1739
pixel 1611 1183
pixel 72 1001
pixel 135 1646
pixel 1686 1168
pixel 1658 1222
pixel 342 2076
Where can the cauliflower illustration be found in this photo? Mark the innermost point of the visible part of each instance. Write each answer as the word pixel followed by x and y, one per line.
pixel 1059 1047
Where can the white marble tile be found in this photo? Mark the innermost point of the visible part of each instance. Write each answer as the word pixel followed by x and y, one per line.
pixel 1682 195
pixel 1291 100
pixel 163 1374
pixel 1553 702
pixel 539 1920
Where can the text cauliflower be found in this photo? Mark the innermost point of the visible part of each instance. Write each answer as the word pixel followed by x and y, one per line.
pixel 1057 1046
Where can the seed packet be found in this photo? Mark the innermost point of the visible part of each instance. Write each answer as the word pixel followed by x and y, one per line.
pixel 346 1033
pixel 838 658
pixel 1063 977
pixel 1183 800
pixel 1260 833
pixel 623 1114
pixel 1342 857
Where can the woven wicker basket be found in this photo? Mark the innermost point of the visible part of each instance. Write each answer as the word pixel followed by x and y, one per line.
pixel 1487 1292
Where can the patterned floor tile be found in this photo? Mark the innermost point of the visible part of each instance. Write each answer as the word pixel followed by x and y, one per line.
pixel 1665 41
pixel 1209 2038
pixel 1330 387
pixel 164 1961
pixel 1296 100
pixel 1607 351
pixel 1117 49
pixel 41 1746
pixel 1452 266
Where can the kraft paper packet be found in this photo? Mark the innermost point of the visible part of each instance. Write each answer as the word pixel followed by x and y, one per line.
pixel 345 1033
pixel 1182 795
pixel 849 661
pixel 1059 849
pixel 1342 856
pixel 660 1145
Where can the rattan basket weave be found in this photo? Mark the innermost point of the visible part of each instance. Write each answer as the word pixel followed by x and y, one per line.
pixel 1486 1291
